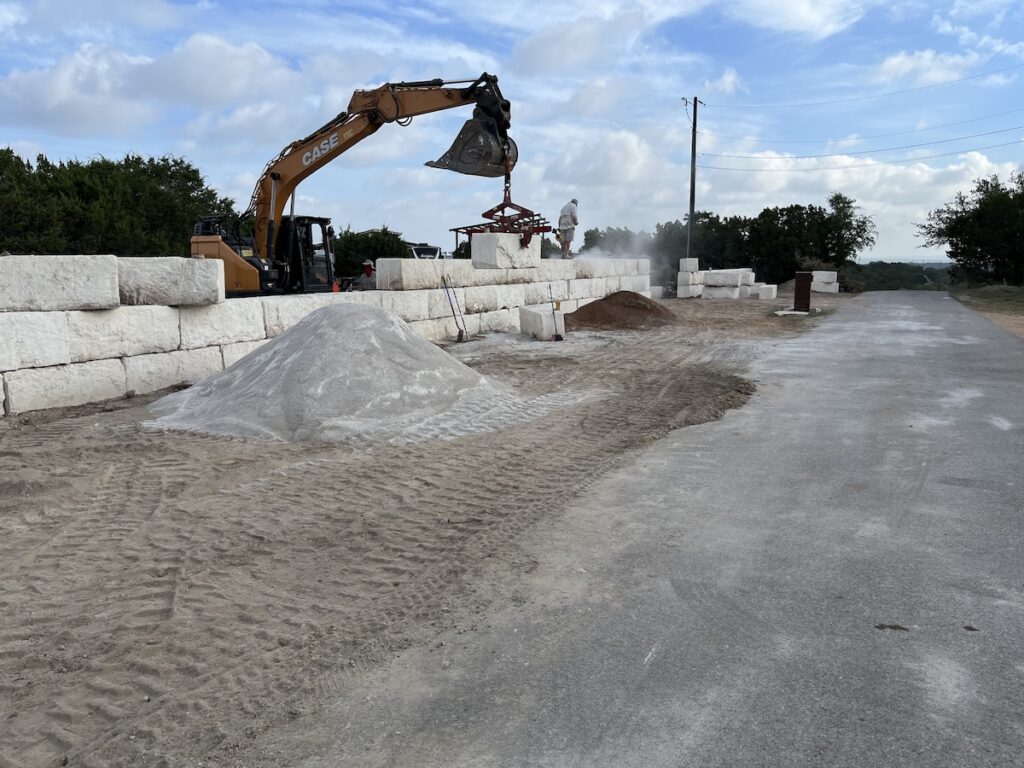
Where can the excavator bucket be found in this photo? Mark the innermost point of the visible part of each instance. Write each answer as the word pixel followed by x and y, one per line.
pixel 477 151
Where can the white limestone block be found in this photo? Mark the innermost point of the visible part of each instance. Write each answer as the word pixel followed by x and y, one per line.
pixel 720 292
pixel 744 291
pixel 689 265
pixel 542 322
pixel 509 296
pixel 439 302
pixel 232 353
pixel 234 320
pixel 615 284
pixel 32 389
pixel 689 291
pixel 767 292
pixel 747 279
pixel 282 312
pixel 33 339
pixel 170 281
pixel 636 283
pixel 481 298
pixel 657 292
pixel 567 306
pixel 418 274
pixel 538 293
pixel 587 288
pixel 817 287
pixel 581 303
pixel 125 331
pixel 587 268
pixel 408 305
pixel 723 279
pixel 645 294
pixel 514 276
pixel 556 269
pixel 150 373
pixel 503 250
pixel 690 278
pixel 824 276
pixel 502 320
pixel 756 285
pixel 54 283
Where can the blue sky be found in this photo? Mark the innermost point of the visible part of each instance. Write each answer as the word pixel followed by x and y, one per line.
pixel 596 91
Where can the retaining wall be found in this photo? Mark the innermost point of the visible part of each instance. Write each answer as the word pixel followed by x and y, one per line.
pixel 70 356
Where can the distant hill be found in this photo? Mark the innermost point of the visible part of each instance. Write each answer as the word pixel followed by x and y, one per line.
pixel 896 276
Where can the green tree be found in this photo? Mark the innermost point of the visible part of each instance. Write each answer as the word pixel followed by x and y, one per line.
pixel 983 231
pixel 351 249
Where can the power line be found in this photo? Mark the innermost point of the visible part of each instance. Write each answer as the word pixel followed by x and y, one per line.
pixel 862 138
pixel 866 98
pixel 875 164
pixel 868 151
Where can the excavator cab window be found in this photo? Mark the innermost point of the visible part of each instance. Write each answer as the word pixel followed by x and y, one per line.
pixel 306 246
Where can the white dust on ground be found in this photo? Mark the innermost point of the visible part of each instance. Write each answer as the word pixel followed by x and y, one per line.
pixel 349 373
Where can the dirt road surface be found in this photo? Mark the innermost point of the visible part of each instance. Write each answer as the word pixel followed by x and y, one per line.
pixel 170 598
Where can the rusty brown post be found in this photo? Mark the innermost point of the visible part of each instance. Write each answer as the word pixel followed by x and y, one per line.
pixel 802 292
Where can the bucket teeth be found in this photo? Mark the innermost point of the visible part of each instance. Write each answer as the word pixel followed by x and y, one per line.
pixel 477 151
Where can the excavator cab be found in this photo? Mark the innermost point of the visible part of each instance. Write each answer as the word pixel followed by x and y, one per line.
pixel 479 149
pixel 305 244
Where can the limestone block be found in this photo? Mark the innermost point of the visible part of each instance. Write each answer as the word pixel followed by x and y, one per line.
pixel 636 283
pixel 232 353
pixel 643 266
pixel 503 250
pixel 580 303
pixel 756 285
pixel 817 287
pixel 567 306
pixel 744 291
pixel 418 274
pixel 52 283
pixel 438 302
pixel 502 320
pixel 720 292
pixel 587 268
pixel 690 278
pixel 509 296
pixel 542 322
pixel 615 284
pixel 32 389
pixel 689 265
pixel 171 281
pixel 408 305
pixel 234 320
pixel 587 288
pixel 282 312
pixel 689 291
pixel 556 269
pixel 481 298
pixel 125 331
pixel 723 279
pixel 150 373
pixel 33 339
pixel 445 328
pixel 657 292
pixel 824 276
pixel 514 276
pixel 767 292
pixel 538 293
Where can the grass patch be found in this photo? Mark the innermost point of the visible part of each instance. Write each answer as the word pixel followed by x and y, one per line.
pixel 1006 299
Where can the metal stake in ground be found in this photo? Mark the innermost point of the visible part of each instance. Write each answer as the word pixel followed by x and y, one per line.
pixel 449 292
pixel 554 315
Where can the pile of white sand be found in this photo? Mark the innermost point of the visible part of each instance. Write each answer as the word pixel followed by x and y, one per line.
pixel 347 371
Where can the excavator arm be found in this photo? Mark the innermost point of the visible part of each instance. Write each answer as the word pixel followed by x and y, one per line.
pixel 482 148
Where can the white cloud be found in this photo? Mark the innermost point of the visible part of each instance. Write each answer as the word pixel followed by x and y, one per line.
pixel 968 38
pixel 814 18
pixel 570 49
pixel 926 67
pixel 729 82
pixel 12 15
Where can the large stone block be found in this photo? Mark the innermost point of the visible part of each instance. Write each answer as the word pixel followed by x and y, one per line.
pixel 408 305
pixel 509 296
pixel 745 291
pixel 542 322
pixel 234 320
pixel 720 292
pixel 657 292
pixel 817 287
pixel 723 279
pixel 481 298
pixel 587 288
pixel 439 301
pixel 690 278
pixel 557 269
pixel 125 331
pixel 590 268
pixel 689 265
pixel 503 250
pixel 53 283
pixel 151 373
pixel 32 389
pixel 514 276
pixel 689 291
pixel 232 353
pixel 500 321
pixel 767 292
pixel 418 274
pixel 445 328
pixel 282 312
pixel 635 283
pixel 171 281
pixel 643 266
pixel 824 276
pixel 550 290
pixel 33 339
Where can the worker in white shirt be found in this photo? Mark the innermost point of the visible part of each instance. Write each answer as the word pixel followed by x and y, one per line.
pixel 567 223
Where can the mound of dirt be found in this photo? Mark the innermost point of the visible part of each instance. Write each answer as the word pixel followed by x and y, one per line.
pixel 345 371
pixel 623 311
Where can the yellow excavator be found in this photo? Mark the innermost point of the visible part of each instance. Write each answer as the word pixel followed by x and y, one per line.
pixel 294 254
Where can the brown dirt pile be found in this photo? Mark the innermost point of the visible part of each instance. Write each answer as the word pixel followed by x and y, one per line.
pixel 621 311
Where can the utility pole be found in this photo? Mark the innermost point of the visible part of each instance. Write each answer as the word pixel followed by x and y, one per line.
pixel 693 175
